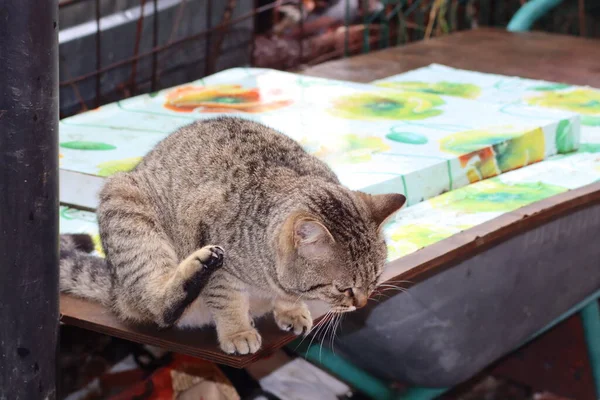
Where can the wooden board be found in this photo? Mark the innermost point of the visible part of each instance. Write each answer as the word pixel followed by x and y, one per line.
pixel 557 58
pixel 534 55
pixel 414 268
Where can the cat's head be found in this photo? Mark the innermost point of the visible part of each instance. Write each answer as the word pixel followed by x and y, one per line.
pixel 332 249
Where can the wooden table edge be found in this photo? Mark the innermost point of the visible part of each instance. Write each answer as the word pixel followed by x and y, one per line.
pixel 417 266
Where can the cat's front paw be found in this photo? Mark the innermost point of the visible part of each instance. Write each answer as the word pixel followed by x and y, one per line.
pixel 297 320
pixel 246 342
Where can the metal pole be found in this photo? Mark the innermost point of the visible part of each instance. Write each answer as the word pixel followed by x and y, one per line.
pixel 28 198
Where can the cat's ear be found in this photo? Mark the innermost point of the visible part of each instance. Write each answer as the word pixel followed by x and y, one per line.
pixel 382 206
pixel 312 239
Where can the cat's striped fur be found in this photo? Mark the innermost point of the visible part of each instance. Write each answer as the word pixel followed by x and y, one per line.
pixel 289 232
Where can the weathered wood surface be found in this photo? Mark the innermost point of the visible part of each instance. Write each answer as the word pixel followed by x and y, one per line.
pixel 534 55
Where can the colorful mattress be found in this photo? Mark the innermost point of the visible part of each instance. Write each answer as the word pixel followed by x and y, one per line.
pixel 471 200
pixel 376 139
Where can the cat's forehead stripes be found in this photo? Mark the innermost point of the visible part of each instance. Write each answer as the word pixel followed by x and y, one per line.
pixel 342 217
pixel 351 225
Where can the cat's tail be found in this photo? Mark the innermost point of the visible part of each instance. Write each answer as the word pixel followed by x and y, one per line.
pixel 82 274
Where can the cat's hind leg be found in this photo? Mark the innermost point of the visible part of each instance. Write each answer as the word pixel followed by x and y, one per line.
pixel 191 275
pixel 150 280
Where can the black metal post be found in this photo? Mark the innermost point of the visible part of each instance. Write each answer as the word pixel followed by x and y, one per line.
pixel 28 198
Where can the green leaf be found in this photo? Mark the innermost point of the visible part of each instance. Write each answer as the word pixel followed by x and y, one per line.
pixel 84 145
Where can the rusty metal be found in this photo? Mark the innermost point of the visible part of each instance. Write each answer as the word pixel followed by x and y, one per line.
pixel 68 3
pixel 98 55
pixel 207 47
pixel 155 28
pixel 162 48
pixel 174 29
pixel 300 42
pixel 215 49
pixel 138 80
pixel 253 43
pixel 136 48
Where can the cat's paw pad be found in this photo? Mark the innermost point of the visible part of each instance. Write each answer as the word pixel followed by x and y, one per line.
pixel 206 259
pixel 297 320
pixel 246 342
pixel 210 256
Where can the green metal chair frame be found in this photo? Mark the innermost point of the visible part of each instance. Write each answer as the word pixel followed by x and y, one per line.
pixel 378 389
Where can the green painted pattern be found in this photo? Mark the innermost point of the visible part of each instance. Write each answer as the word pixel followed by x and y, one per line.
pixel 112 167
pixel 589 148
pixel 550 87
pixel 581 100
pixel 454 89
pixel 68 122
pixel 407 137
pixel 590 120
pixel 565 138
pixel 389 105
pixel 450 179
pixel 407 239
pixel 492 195
pixel 405 186
pixel 85 145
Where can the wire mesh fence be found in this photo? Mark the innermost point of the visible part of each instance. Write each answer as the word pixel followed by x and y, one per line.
pixel 113 49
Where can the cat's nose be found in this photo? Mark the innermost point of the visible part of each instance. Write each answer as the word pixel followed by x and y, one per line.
pixel 359 298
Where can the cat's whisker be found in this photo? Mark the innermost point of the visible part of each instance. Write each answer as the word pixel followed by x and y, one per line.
pixel 389 285
pixel 398 281
pixel 395 289
pixel 319 327
pixel 308 333
pixel 337 325
pixel 329 324
pixel 334 327
pixel 386 287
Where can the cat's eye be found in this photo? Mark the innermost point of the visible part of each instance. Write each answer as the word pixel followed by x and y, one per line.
pixel 346 291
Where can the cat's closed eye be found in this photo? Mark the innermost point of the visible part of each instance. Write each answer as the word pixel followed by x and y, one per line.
pixel 345 290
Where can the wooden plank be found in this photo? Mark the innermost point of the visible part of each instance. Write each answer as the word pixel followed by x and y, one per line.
pixel 413 268
pixel 200 343
pixel 535 55
pixel 560 58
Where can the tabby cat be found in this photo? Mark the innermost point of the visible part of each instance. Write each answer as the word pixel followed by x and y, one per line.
pixel 223 221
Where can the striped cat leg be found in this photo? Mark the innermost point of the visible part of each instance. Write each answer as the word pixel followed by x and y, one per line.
pixel 229 305
pixel 190 277
pixel 161 291
pixel 151 283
